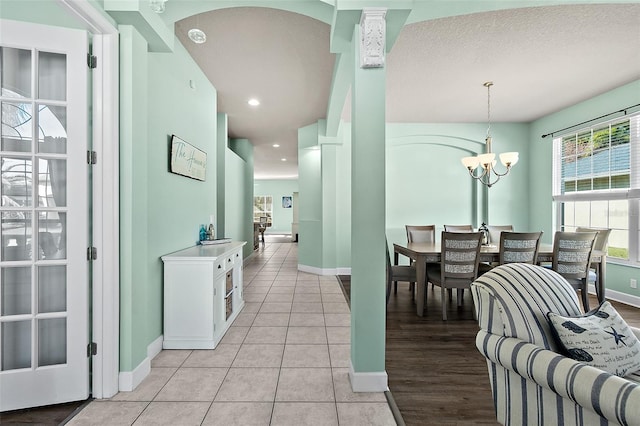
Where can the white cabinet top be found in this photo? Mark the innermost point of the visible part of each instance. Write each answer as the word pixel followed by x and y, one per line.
pixel 207 253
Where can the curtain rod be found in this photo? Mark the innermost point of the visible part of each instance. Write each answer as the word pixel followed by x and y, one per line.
pixel 593 119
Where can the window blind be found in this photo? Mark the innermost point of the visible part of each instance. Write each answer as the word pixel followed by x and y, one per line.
pixel 602 158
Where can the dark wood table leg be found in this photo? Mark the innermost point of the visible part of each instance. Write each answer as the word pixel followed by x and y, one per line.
pixel 421 276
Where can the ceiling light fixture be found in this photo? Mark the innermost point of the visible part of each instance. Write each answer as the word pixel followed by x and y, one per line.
pixel 283 159
pixel 197 36
pixel 275 145
pixel 487 160
pixel 157 5
pixel 253 102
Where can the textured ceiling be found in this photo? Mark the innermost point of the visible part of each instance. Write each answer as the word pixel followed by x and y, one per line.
pixel 540 59
pixel 278 57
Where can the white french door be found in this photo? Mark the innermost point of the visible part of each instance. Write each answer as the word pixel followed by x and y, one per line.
pixel 44 276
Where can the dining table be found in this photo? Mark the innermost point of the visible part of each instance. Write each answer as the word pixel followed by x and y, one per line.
pixel 423 253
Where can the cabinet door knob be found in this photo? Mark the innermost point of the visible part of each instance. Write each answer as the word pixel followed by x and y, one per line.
pixel 219 266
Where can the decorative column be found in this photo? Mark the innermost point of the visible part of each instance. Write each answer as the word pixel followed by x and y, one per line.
pixel 367 370
pixel 372 38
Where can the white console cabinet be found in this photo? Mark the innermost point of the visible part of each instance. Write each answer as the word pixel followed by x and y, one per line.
pixel 202 294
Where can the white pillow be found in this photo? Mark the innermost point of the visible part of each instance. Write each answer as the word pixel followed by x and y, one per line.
pixel 600 338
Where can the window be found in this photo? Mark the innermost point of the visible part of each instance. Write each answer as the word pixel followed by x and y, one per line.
pixel 596 182
pixel 262 208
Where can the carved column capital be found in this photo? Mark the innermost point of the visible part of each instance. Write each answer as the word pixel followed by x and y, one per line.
pixel 373 31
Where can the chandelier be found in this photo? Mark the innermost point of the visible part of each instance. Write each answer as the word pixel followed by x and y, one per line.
pixel 488 175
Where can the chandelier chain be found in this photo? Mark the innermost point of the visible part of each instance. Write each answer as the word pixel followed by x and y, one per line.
pixel 488 85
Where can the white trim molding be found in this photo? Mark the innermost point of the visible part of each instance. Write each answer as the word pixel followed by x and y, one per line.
pixel 155 347
pixel 618 296
pixel 324 271
pixel 129 380
pixel 106 284
pixel 369 381
pixel 105 141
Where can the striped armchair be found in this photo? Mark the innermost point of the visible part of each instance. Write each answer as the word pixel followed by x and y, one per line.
pixel 532 383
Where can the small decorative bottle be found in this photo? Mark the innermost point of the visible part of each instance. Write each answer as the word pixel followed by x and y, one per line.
pixel 203 233
pixel 211 233
pixel 485 234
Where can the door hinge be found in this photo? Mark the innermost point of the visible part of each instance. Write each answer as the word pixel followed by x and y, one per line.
pixel 92 253
pixel 92 349
pixel 92 61
pixel 92 157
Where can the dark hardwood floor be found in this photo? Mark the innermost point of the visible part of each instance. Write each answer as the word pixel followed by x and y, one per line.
pixel 51 415
pixel 436 374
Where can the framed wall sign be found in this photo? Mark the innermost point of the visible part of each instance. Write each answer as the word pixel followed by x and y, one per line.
pixel 286 202
pixel 187 160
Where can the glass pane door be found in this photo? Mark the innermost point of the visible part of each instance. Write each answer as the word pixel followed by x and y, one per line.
pixel 43 277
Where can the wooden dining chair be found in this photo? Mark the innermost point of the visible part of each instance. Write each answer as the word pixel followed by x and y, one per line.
pixel 519 247
pixel 495 231
pixel 601 243
pixel 397 273
pixel 421 233
pixel 459 264
pixel 572 259
pixel 458 228
pixel 516 247
pixel 417 234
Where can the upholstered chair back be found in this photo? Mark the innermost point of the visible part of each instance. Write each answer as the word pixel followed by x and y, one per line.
pixel 513 299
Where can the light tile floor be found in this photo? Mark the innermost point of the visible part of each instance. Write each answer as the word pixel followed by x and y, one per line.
pixel 284 361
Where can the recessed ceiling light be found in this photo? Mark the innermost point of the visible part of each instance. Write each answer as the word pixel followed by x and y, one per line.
pixel 197 36
pixel 275 145
pixel 283 159
pixel 253 102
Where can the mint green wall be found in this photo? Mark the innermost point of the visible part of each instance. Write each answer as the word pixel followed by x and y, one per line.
pixel 343 196
pixel 330 209
pixel 134 322
pixel 426 183
pixel 541 156
pixel 177 204
pixel 310 188
pixel 242 213
pixel 235 200
pixel 277 188
pixel 160 211
pixel 221 149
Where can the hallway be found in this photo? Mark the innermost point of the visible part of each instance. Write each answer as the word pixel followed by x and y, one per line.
pixel 285 361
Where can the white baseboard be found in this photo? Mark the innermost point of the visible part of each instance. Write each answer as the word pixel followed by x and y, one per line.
pixel 155 347
pixel 324 271
pixel 129 380
pixel 368 382
pixel 618 296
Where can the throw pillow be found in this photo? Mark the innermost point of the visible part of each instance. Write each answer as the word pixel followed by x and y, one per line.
pixel 600 338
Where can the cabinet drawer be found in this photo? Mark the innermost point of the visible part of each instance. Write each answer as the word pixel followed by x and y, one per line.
pixel 219 265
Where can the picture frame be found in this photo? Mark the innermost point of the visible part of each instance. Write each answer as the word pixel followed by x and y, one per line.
pixel 187 160
pixel 287 202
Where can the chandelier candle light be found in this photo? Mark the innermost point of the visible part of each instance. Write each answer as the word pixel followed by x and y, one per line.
pixel 487 161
